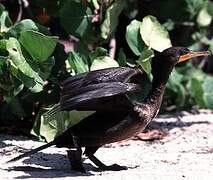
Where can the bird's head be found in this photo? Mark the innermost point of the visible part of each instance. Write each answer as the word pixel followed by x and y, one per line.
pixel 164 62
pixel 175 55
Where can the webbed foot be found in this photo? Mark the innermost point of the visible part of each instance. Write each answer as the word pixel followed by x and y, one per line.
pixel 113 167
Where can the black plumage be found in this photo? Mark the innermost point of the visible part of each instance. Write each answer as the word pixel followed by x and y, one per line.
pixel 116 118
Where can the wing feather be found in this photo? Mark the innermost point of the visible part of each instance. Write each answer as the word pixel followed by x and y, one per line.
pixel 96 93
pixel 117 74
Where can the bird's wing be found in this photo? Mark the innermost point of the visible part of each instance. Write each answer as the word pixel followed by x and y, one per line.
pixel 82 90
pixel 97 96
pixel 116 74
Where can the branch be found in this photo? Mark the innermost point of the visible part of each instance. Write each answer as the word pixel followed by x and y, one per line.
pixel 112 47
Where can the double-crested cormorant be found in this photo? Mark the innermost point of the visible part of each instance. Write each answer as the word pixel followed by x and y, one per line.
pixel 116 118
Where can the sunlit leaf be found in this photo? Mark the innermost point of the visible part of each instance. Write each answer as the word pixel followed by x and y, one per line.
pixel 103 62
pixel 204 18
pixel 154 34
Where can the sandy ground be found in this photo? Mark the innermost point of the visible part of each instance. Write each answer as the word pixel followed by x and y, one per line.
pixel 185 153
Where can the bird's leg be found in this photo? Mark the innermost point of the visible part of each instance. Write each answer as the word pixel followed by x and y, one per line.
pixel 75 157
pixel 89 152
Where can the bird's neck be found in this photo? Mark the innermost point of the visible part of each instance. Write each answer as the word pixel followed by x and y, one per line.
pixel 160 79
pixel 155 93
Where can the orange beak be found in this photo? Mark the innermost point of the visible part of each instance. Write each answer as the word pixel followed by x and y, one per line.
pixel 193 54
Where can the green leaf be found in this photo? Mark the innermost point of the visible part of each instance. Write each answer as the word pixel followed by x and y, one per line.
pixel 111 18
pixel 122 60
pixel 3 43
pixel 3 48
pixel 9 86
pixel 196 91
pixel 175 85
pixel 15 53
pixel 208 92
pixel 21 26
pixel 45 68
pixel 21 69
pixel 18 87
pixel 57 124
pixel 2 8
pixel 81 47
pixel 210 8
pixel 154 34
pixel 144 61
pixel 5 81
pixel 39 46
pixel 133 37
pixel 75 18
pixel 79 64
pixel 103 62
pixel 99 51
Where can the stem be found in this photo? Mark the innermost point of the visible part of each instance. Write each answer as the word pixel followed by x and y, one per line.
pixel 20 11
pixel 112 47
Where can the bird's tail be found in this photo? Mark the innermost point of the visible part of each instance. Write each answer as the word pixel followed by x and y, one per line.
pixel 29 153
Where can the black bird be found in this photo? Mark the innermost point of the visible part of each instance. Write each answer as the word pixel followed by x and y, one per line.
pixel 116 118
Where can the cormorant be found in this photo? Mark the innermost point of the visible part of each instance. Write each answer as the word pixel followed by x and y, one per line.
pixel 116 118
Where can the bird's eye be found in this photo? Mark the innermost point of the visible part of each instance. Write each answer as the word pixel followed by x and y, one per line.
pixel 184 51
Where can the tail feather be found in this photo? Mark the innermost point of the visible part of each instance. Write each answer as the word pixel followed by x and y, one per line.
pixel 52 112
pixel 29 153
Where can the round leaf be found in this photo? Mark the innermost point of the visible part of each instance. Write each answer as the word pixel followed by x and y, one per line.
pixel 39 46
pixel 75 18
pixel 23 25
pixel 154 34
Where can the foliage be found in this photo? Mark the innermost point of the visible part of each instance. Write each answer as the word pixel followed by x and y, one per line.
pixel 33 62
